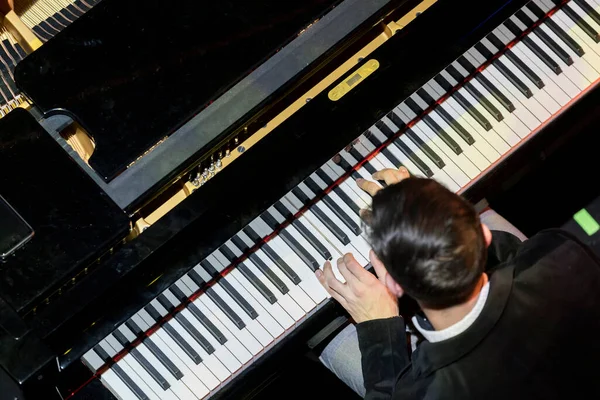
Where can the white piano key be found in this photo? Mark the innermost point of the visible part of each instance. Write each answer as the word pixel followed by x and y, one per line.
pixel 561 80
pixel 252 325
pixel 489 143
pixel 584 16
pixel 158 392
pixel 570 71
pixel 576 33
pixel 233 344
pixel 412 168
pixel 436 144
pixel 358 247
pixel 177 387
pixel 125 365
pixel 243 335
pixel 485 150
pixel 338 171
pixel 270 315
pixel 92 360
pixel 117 386
pixel 218 372
pixel 177 357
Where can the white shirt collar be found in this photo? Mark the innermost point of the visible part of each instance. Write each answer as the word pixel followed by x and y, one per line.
pixel 460 326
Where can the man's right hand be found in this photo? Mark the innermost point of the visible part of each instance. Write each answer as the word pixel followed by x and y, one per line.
pixel 388 175
pixel 6 6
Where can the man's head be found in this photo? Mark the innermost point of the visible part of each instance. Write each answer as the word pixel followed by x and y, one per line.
pixel 430 240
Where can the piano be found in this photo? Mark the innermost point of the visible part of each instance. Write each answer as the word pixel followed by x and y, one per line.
pixel 193 282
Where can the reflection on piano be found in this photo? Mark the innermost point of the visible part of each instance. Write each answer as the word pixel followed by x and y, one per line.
pixel 222 283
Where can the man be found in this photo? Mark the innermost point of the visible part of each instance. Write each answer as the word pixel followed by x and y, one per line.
pixel 502 318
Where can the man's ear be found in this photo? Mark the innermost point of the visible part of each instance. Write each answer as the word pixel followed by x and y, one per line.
pixel 393 286
pixel 487 234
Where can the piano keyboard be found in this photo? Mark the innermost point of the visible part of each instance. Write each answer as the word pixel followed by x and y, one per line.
pixel 217 332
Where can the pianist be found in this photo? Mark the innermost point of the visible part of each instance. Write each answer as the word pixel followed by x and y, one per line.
pixel 502 318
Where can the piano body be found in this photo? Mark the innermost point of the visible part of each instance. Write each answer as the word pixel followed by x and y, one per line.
pixel 181 206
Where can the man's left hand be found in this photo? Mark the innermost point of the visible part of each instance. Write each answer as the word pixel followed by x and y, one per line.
pixel 364 296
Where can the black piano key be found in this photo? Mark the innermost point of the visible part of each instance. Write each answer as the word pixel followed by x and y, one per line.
pixel 185 346
pixel 564 36
pixel 504 70
pixel 149 368
pixel 386 130
pixel 321 216
pixel 589 10
pixel 552 45
pixel 20 50
pixel 162 382
pixel 271 276
pixel 199 315
pixel 484 102
pixel 347 200
pixel 281 264
pixel 196 278
pixel 48 28
pixel 166 361
pixel 162 299
pixel 240 244
pixel 224 307
pixel 41 33
pixel 270 220
pixel 70 13
pixel 306 234
pixel 179 295
pixel 413 157
pixel 256 282
pixel 467 65
pixel 512 78
pixel 337 211
pixel 430 101
pixel 135 389
pixel 547 40
pixel 484 51
pixel 494 91
pixel 102 354
pixel 153 312
pixel 51 21
pixel 541 54
pixel 239 299
pixel 477 116
pixel 414 107
pixel 455 125
pixel 61 19
pixel 300 251
pixel 82 6
pixel 524 68
pixel 201 340
pixel 312 239
pixel 443 82
pixel 256 260
pixel 134 328
pixel 424 147
pixel 357 156
pixel 208 267
pixel 76 12
pixel 12 51
pixel 395 118
pixel 348 168
pixel 442 134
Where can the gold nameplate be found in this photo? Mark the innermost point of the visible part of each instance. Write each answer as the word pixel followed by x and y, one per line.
pixel 353 80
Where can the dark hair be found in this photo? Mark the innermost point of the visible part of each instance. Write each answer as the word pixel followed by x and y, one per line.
pixel 430 241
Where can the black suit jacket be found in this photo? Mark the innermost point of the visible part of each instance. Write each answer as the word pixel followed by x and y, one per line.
pixel 537 337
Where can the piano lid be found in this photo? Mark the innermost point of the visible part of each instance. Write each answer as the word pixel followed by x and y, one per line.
pixel 132 72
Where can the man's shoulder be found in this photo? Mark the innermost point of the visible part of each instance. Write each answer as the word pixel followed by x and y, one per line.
pixel 555 248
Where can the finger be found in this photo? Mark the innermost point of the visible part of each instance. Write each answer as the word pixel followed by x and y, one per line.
pixel 378 266
pixel 391 176
pixel 358 271
pixel 321 277
pixel 370 187
pixel 332 282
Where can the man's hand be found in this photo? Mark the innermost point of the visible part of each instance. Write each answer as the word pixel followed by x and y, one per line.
pixel 388 175
pixel 6 6
pixel 364 296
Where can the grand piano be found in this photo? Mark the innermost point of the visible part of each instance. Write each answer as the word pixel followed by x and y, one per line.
pixel 185 170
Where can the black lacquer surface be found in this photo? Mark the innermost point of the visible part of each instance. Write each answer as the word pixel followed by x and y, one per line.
pixel 132 72
pixel 72 218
